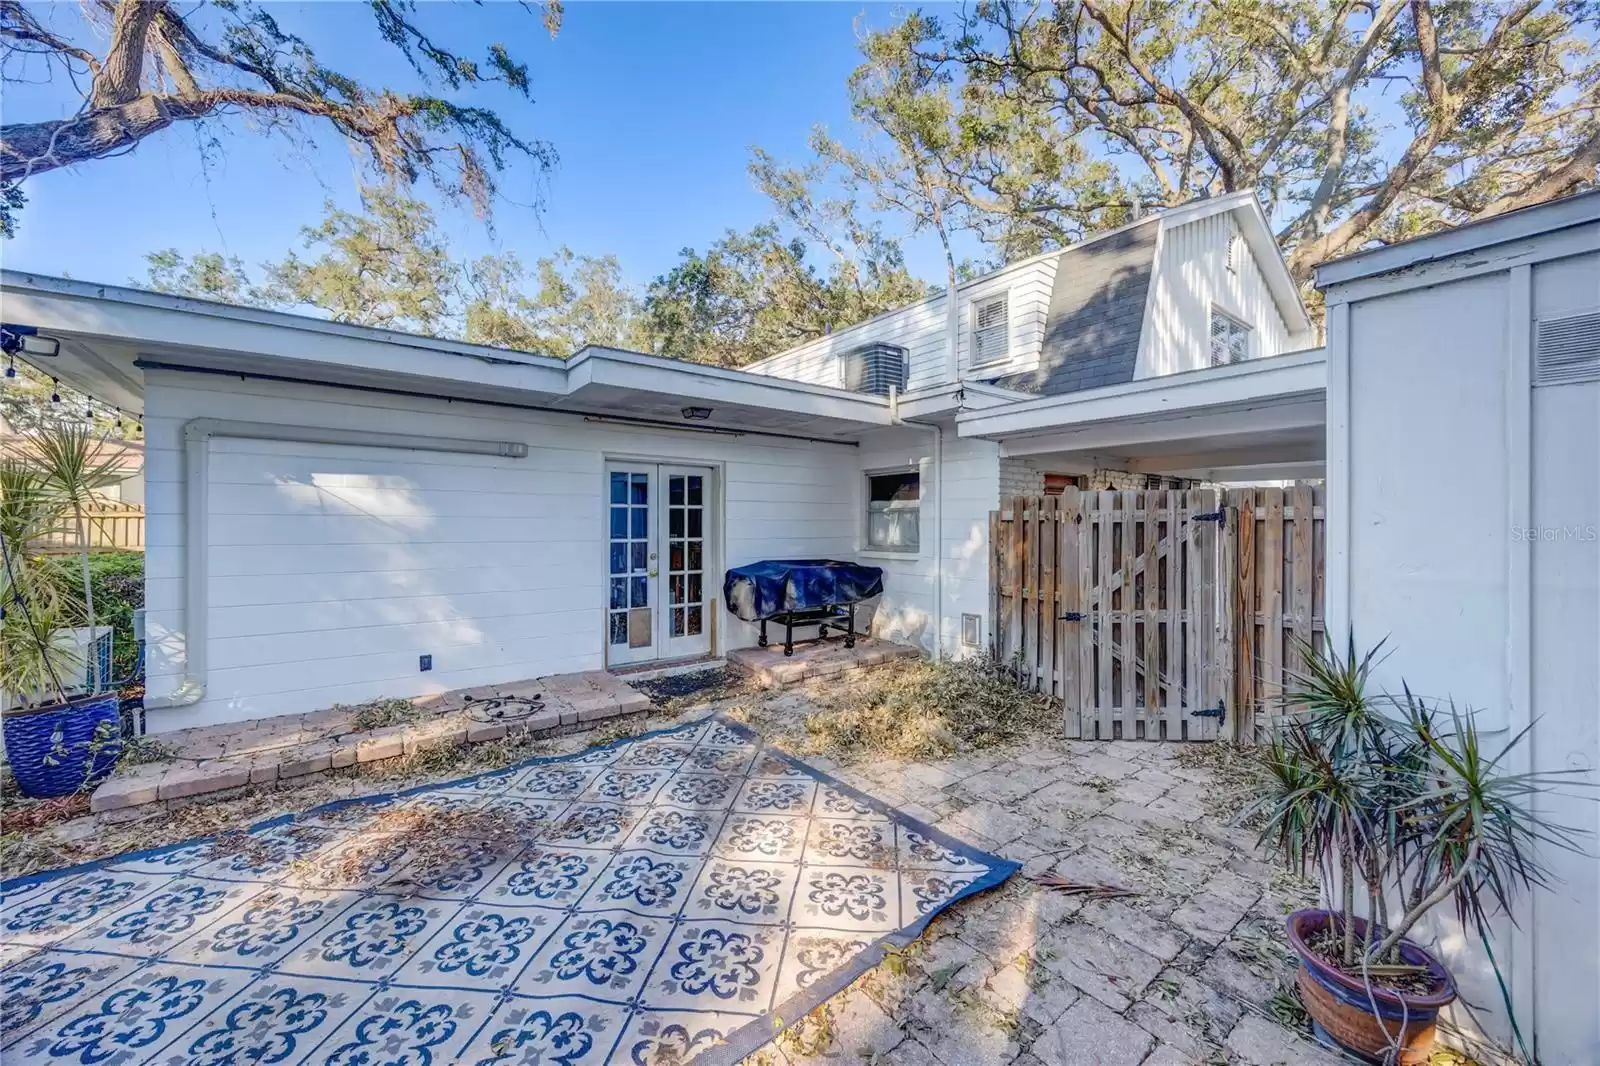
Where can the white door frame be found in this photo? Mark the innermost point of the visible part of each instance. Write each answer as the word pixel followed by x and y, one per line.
pixel 647 525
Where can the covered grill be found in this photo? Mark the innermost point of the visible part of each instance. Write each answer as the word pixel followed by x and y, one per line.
pixel 820 592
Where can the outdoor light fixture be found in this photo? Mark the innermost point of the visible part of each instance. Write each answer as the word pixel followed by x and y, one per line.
pixel 697 414
pixel 26 339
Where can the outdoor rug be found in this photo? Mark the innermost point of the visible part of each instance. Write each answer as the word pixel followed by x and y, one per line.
pixel 663 899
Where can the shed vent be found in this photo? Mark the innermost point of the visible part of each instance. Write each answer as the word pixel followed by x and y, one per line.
pixel 873 368
pixel 1566 351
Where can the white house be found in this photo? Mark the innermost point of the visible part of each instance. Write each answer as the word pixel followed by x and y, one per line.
pixel 336 513
pixel 1464 525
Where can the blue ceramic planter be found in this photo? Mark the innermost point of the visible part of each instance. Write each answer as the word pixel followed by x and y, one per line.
pixel 63 748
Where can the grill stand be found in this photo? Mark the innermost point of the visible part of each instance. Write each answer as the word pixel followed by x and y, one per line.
pixel 821 617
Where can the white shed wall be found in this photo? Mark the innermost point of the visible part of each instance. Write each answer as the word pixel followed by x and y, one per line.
pixel 1191 276
pixel 332 568
pixel 1473 544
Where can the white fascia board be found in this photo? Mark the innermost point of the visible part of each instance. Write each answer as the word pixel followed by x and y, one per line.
pixel 15 283
pixel 697 382
pixel 931 402
pixel 1580 210
pixel 951 397
pixel 164 331
pixel 1299 374
pixel 1273 418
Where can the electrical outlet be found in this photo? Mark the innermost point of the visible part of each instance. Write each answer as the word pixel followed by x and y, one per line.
pixel 424 663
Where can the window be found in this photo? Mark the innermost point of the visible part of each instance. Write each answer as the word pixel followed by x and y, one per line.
pixel 991 335
pixel 894 511
pixel 1230 339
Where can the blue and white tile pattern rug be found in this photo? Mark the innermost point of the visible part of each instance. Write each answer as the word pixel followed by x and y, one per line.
pixel 683 892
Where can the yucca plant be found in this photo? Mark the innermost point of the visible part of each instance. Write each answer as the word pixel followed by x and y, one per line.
pixel 35 598
pixel 71 461
pixel 1395 801
pixel 1397 797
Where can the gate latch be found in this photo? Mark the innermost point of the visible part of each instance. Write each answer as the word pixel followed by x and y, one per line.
pixel 1072 616
pixel 1219 712
pixel 1219 517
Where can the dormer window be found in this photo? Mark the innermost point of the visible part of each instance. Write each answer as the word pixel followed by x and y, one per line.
pixel 991 333
pixel 1230 339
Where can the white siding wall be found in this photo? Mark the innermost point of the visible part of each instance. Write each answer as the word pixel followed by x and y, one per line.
pixel 1435 562
pixel 971 491
pixel 1564 674
pixel 1191 275
pixel 333 568
pixel 920 329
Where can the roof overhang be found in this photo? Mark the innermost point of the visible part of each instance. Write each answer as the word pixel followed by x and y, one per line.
pixel 1394 262
pixel 1264 418
pixel 949 399
pixel 111 336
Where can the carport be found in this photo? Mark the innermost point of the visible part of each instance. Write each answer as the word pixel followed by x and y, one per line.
pixel 1261 420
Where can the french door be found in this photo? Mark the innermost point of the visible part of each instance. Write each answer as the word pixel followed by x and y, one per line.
pixel 658 596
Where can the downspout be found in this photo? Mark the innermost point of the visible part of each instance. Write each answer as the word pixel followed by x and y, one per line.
pixel 197 436
pixel 938 521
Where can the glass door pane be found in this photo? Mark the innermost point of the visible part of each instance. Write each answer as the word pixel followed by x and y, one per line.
pixel 687 523
pixel 631 565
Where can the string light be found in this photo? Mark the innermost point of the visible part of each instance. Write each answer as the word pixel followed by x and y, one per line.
pixel 88 404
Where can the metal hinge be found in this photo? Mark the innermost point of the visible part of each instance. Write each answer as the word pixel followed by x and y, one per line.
pixel 1219 517
pixel 1219 712
pixel 1072 616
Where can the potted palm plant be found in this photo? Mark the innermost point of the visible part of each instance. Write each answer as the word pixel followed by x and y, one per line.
pixel 56 743
pixel 1398 809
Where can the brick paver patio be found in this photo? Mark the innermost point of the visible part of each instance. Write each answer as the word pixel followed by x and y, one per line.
pixel 1181 973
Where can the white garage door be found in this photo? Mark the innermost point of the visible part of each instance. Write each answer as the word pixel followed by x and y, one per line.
pixel 334 570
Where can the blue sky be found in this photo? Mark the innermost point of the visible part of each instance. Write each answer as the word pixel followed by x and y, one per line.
pixel 653 108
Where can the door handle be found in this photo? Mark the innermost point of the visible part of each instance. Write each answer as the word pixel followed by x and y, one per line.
pixel 652 572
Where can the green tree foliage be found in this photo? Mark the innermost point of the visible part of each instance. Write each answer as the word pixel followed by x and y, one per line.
pixel 579 300
pixel 208 275
pixel 142 66
pixel 750 295
pixel 1034 124
pixel 389 266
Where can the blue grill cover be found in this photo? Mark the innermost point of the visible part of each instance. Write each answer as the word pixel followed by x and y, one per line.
pixel 775 586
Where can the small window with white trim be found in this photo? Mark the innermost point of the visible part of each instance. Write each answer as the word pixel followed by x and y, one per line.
pixel 894 511
pixel 991 333
pixel 1230 339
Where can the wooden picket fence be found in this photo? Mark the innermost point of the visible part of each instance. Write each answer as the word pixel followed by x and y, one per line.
pixel 1158 615
pixel 111 526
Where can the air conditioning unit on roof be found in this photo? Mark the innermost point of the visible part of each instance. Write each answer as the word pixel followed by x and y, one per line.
pixel 875 368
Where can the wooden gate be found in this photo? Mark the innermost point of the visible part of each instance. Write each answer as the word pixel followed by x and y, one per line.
pixel 1157 615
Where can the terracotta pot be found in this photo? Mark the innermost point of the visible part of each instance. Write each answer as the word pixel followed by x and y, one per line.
pixel 1372 1022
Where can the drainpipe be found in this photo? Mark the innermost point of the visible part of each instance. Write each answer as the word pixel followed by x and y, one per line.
pixel 197 436
pixel 938 519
